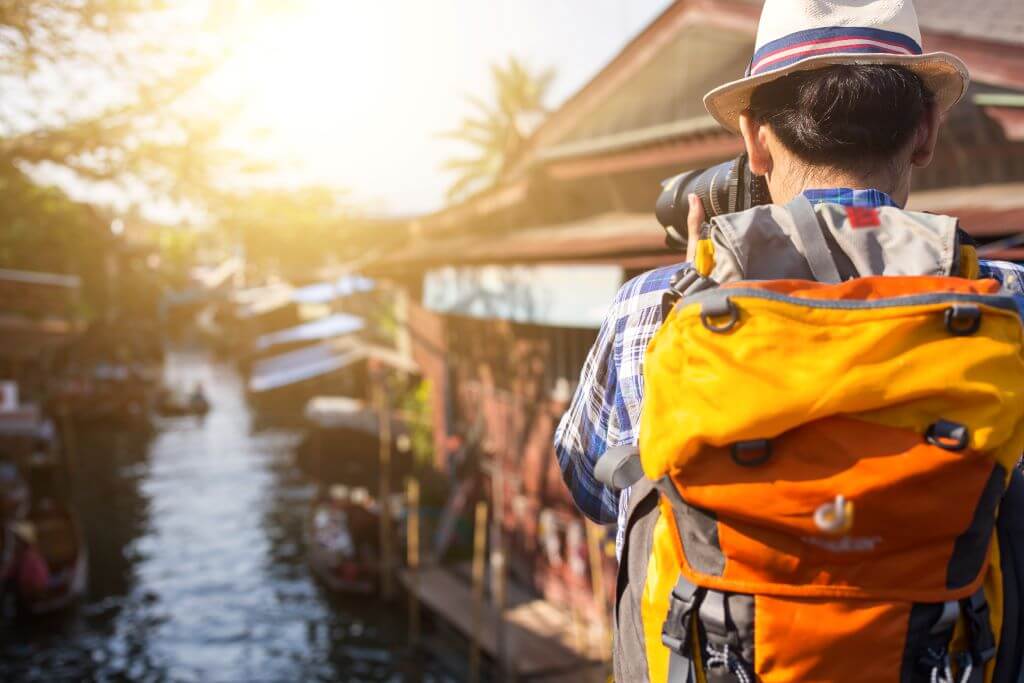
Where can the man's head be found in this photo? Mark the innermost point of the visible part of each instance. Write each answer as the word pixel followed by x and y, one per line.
pixel 857 125
pixel 843 87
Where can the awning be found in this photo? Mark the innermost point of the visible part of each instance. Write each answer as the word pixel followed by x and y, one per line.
pixel 575 295
pixel 212 277
pixel 609 238
pixel 329 327
pixel 341 412
pixel 321 360
pixel 260 300
pixel 38 294
pixel 326 292
pixel 26 421
pixel 24 338
pixel 301 365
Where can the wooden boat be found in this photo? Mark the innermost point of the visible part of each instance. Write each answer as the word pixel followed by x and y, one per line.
pixel 177 404
pixel 53 528
pixel 342 540
pixel 60 541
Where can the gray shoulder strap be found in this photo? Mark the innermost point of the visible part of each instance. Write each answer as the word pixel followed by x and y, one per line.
pixel 815 247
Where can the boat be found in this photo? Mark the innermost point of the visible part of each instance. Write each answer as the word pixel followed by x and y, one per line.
pixel 54 529
pixel 342 540
pixel 170 403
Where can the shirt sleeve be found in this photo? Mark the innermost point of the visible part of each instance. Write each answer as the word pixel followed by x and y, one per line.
pixel 582 434
pixel 1010 276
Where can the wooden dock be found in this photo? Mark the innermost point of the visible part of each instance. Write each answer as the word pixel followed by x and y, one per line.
pixel 541 641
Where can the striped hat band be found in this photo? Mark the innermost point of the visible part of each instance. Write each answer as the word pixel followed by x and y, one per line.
pixel 815 42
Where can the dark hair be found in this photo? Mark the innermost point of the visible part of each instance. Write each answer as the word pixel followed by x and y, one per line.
pixel 849 117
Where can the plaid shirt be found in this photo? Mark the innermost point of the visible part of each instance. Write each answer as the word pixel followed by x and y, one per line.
pixel 605 411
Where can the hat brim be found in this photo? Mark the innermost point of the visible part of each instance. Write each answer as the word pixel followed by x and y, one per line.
pixel 945 75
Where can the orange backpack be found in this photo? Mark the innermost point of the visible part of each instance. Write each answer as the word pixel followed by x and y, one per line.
pixel 826 464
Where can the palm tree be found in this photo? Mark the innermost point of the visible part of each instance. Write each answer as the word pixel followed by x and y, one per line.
pixel 497 130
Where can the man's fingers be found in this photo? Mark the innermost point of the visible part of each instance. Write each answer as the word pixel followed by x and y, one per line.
pixel 693 224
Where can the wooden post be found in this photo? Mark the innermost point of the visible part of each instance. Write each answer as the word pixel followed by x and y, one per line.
pixel 318 461
pixel 479 566
pixel 499 573
pixel 594 533
pixel 379 380
pixel 68 443
pixel 413 557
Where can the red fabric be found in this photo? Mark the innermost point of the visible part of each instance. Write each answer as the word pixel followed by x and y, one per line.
pixel 33 574
pixel 863 217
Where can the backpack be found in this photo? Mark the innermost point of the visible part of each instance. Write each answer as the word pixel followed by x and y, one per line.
pixel 826 487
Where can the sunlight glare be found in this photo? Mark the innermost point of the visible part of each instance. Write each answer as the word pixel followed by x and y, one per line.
pixel 327 87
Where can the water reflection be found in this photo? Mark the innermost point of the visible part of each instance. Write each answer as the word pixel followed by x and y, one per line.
pixel 198 564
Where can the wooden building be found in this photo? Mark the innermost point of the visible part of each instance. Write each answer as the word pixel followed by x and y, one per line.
pixel 507 289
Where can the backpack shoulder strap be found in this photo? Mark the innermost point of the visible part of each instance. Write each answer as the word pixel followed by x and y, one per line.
pixel 815 249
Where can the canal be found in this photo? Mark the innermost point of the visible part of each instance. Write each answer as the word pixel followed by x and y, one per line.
pixel 198 568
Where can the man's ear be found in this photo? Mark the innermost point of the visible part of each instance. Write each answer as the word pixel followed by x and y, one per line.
pixel 756 141
pixel 926 138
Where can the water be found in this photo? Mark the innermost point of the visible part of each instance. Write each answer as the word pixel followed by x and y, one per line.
pixel 198 569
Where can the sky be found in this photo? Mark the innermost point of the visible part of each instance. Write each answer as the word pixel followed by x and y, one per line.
pixel 355 94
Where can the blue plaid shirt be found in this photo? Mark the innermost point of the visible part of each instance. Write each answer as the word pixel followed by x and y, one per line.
pixel 605 411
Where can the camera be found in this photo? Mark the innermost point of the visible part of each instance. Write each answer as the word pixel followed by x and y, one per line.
pixel 725 188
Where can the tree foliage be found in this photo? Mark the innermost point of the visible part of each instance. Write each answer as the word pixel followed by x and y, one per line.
pixel 497 129
pixel 90 87
pixel 57 54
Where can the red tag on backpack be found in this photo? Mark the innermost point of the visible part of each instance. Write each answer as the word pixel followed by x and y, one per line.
pixel 863 217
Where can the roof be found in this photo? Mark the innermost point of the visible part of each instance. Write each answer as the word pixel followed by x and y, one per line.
pixel 22 337
pixel 328 327
pixel 257 301
pixel 603 238
pixel 326 292
pixel 987 20
pixel 38 294
pixel 301 365
pixel 320 360
pixel 30 277
pixel 984 211
pixel 690 50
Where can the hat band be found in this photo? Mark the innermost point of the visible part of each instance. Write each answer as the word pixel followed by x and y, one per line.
pixel 814 42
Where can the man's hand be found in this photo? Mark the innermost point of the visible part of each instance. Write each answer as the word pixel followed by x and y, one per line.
pixel 693 223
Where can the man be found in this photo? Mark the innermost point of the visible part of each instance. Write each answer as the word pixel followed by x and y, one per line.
pixel 841 115
pixel 840 104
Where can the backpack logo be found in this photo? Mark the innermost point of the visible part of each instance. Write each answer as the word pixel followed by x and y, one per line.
pixel 863 217
pixel 835 517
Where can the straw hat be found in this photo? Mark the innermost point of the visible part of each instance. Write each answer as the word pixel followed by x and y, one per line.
pixel 800 35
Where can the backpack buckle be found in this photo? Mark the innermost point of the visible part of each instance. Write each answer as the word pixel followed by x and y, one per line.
pixel 949 436
pixel 751 453
pixel 719 308
pixel 963 319
pixel 676 633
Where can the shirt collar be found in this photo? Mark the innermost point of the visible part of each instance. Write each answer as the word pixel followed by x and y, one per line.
pixel 845 196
